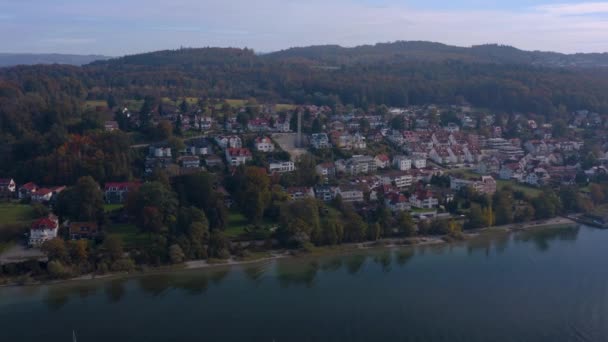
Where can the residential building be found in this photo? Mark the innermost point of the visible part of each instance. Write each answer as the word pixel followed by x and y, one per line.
pixel 382 161
pixel 320 141
pixel 397 202
pixel 326 170
pixel 8 186
pixel 190 162
pixel 399 179
pixel 258 125
pixel 264 144
pixel 46 194
pixel 510 171
pixel 213 160
pixel 118 192
pixel 83 230
pixel 299 193
pixel 350 193
pixel 27 190
pixel 419 163
pixel 275 166
pixel 43 230
pixel 324 193
pixel 238 156
pixel 358 165
pixel 198 147
pixel 424 199
pixel 402 163
pixel 160 152
pixel 484 185
pixel 111 126
pixel 230 141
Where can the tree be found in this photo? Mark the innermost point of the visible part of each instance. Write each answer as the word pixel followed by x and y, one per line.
pixel 56 249
pixel 252 187
pixel 176 254
pixel 524 213
pixel 299 221
pixel 488 216
pixel 114 247
pixel 475 217
pixel 332 230
pixel 79 251
pixel 560 128
pixel 397 123
pixel 82 202
pixel 375 231
pixel 219 245
pixel 546 205
pixel 597 193
pixel 355 229
pixel 154 207
pixel 316 126
pixel 504 209
pixel 406 224
pixel 151 220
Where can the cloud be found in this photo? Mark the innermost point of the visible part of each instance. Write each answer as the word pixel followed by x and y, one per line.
pixel 575 9
pixel 267 25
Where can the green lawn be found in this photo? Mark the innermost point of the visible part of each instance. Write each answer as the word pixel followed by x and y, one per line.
pixel 528 190
pixel 237 225
pixel 130 235
pixel 111 207
pixel 15 213
pixel 284 106
pixel 92 104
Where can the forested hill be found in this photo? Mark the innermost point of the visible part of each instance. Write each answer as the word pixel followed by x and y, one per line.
pixel 12 59
pixel 426 51
pixel 44 97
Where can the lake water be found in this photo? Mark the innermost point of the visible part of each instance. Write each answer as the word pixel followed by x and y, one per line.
pixel 546 285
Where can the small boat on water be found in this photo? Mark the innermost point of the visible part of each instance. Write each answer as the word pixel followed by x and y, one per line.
pixel 73 336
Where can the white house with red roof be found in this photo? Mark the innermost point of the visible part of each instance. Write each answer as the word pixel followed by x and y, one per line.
pixel 43 230
pixel 238 156
pixel 264 144
pixel 258 125
pixel 46 194
pixel 382 161
pixel 397 202
pixel 27 190
pixel 424 199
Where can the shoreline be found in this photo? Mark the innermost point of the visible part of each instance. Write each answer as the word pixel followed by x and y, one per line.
pixel 318 251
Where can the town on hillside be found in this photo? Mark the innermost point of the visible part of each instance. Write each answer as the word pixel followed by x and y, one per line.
pixel 162 181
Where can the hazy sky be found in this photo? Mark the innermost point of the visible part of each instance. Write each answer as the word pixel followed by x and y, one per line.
pixel 117 27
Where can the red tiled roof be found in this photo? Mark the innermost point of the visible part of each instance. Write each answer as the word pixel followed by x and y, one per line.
pixel 121 185
pixel 44 223
pixel 29 186
pixel 239 152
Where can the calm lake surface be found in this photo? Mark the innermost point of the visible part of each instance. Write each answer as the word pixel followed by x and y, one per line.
pixel 544 285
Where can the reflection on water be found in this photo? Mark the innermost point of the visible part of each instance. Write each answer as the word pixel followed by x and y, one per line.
pixel 542 285
pixel 542 238
pixel 115 290
pixel 294 272
pixel 384 260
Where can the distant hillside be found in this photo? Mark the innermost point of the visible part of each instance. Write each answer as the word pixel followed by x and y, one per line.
pixel 12 59
pixel 334 55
